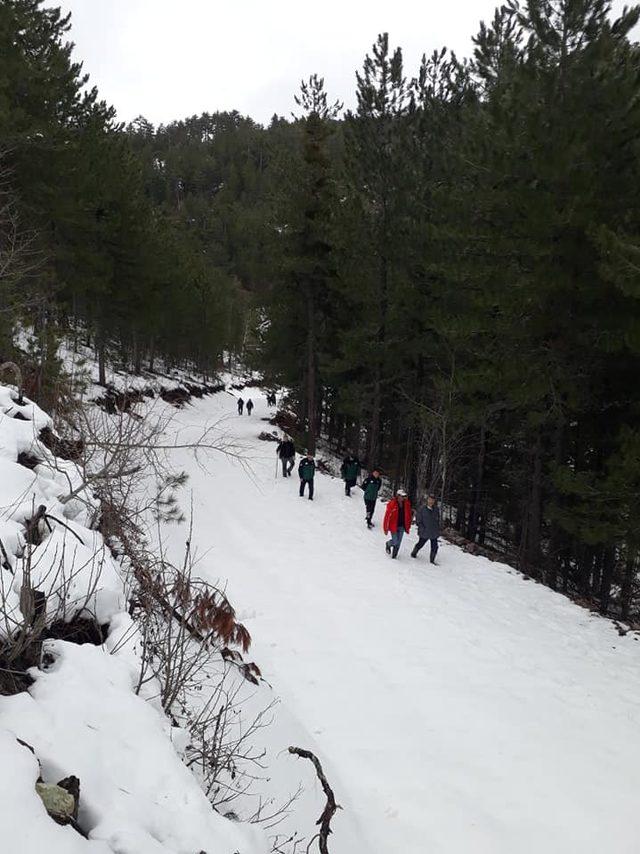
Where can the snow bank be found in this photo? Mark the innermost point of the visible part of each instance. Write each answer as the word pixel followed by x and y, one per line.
pixel 69 563
pixel 24 823
pixel 82 715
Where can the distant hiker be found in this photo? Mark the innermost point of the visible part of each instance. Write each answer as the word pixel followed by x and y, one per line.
pixel 428 522
pixel 249 406
pixel 240 405
pixel 286 451
pixel 371 486
pixel 306 471
pixel 397 521
pixel 349 471
pixel 271 398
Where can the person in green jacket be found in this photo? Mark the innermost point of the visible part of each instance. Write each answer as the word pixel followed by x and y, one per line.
pixel 306 472
pixel 371 487
pixel 349 471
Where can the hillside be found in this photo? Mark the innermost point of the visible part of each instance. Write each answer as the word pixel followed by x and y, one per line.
pixel 74 709
pixel 457 708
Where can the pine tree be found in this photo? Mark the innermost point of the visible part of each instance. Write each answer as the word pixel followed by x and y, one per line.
pixel 378 184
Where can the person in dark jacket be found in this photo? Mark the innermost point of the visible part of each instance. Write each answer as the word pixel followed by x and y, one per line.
pixel 286 451
pixel 371 487
pixel 397 521
pixel 240 405
pixel 306 472
pixel 249 406
pixel 428 522
pixel 349 471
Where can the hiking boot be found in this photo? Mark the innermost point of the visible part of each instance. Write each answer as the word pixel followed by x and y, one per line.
pixel 414 553
pixel 394 553
pixel 387 548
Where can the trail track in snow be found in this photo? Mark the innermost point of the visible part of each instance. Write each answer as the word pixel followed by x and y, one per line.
pixel 457 709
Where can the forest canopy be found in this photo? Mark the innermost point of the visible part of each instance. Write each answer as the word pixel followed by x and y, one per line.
pixel 445 278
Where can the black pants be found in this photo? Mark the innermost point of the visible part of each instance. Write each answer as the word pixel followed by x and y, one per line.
pixel 348 486
pixel 434 546
pixel 287 466
pixel 370 504
pixel 303 483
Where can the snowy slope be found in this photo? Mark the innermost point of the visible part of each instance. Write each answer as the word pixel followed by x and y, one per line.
pixel 82 716
pixel 457 709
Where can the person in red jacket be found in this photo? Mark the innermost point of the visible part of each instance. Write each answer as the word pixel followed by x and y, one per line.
pixel 397 521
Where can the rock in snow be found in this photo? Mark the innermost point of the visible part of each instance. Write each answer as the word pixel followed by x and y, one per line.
pixel 59 803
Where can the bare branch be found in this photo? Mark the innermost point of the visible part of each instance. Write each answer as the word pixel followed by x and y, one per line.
pixel 331 806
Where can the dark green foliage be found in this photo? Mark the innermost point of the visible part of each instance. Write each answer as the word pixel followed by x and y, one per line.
pixel 116 254
pixel 446 280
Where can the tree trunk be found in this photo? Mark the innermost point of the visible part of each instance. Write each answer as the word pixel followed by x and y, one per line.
pixel 530 546
pixel 102 367
pixel 557 540
pixel 137 355
pixel 626 593
pixel 596 572
pixel 374 433
pixel 606 580
pixel 311 375
pixel 585 570
pixel 375 443
pixel 477 487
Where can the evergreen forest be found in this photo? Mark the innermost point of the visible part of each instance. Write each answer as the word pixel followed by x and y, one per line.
pixel 445 278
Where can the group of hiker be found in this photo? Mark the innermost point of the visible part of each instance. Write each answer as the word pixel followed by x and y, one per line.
pixel 397 522
pixel 286 451
pixel 398 512
pixel 270 398
pixel 242 405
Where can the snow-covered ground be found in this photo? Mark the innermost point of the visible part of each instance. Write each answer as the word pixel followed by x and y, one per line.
pixel 458 709
pixel 455 708
pixel 81 715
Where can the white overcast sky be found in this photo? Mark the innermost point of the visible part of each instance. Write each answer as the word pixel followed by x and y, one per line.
pixel 168 59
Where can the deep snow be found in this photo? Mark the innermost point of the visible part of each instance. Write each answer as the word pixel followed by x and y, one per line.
pixel 457 708
pixel 81 715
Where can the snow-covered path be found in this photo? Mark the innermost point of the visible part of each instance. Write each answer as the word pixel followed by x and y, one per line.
pixel 458 709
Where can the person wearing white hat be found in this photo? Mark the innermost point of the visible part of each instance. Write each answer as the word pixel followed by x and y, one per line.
pixel 397 521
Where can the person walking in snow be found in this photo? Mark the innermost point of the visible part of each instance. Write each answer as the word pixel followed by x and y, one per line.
pixel 428 522
pixel 371 487
pixel 240 405
pixel 349 471
pixel 397 521
pixel 286 451
pixel 306 472
pixel 249 406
